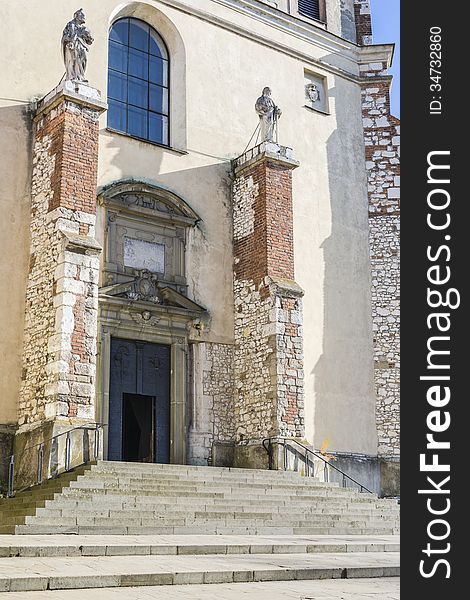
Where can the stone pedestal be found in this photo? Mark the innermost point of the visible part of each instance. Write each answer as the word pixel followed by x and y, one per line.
pixel 58 387
pixel 269 383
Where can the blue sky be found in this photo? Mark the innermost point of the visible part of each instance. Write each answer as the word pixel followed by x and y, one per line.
pixel 386 29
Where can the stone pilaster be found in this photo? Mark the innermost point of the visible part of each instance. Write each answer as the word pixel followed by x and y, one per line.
pixel 58 381
pixel 382 148
pixel 268 361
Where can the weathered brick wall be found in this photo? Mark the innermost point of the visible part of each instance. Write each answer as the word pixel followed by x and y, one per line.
pixel 268 361
pixel 263 224
pixel 382 142
pixel 363 19
pixel 62 295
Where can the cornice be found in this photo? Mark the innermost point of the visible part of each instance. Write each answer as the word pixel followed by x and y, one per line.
pixel 377 53
pixel 310 33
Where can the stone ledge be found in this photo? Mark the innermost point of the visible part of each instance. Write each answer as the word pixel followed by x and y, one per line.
pixel 79 93
pixel 81 243
pixel 266 151
pixel 285 287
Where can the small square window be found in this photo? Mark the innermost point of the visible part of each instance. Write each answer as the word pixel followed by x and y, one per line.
pixel 316 92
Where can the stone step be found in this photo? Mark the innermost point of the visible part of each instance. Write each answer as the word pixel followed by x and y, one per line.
pixel 236 529
pixel 190 487
pixel 383 588
pixel 234 492
pixel 119 511
pixel 64 545
pixel 122 529
pixel 155 468
pixel 137 518
pixel 183 501
pixel 36 574
pixel 204 479
pixel 54 511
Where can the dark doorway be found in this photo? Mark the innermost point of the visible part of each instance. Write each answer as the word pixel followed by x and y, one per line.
pixel 139 402
pixel 138 428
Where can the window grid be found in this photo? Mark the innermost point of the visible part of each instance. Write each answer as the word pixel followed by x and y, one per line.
pixel 157 83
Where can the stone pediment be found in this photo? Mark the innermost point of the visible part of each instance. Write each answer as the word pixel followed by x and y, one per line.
pixel 148 199
pixel 145 287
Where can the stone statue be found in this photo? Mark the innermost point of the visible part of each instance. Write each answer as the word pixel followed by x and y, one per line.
pixel 75 39
pixel 313 93
pixel 268 113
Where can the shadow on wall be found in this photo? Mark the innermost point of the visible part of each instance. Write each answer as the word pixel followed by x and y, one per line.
pixel 15 206
pixel 344 397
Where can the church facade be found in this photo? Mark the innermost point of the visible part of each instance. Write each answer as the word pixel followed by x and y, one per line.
pixel 200 232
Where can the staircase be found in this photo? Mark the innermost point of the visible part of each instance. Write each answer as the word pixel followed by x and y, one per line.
pixel 134 498
pixel 117 525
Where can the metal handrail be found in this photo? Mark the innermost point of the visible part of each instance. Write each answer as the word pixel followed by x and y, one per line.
pixel 96 427
pixel 285 441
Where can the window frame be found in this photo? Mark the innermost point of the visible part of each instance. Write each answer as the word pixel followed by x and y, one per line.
pixel 166 143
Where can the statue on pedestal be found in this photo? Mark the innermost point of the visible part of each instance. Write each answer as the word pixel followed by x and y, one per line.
pixel 269 115
pixel 75 39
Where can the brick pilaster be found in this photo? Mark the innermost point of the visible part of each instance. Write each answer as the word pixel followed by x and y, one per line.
pixel 59 354
pixel 363 20
pixel 269 394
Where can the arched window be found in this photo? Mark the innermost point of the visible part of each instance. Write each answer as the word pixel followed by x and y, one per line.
pixel 138 82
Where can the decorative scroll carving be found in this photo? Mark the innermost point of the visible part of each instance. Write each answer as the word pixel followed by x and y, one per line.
pixel 146 201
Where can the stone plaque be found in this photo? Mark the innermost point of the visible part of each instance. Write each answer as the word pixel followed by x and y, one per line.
pixel 139 254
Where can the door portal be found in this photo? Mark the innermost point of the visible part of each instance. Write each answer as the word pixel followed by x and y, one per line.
pixel 138 428
pixel 139 402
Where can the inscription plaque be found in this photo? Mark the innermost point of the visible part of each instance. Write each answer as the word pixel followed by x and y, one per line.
pixel 140 254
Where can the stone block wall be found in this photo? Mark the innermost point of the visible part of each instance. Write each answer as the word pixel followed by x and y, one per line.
pixel 382 146
pixel 217 385
pixel 212 419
